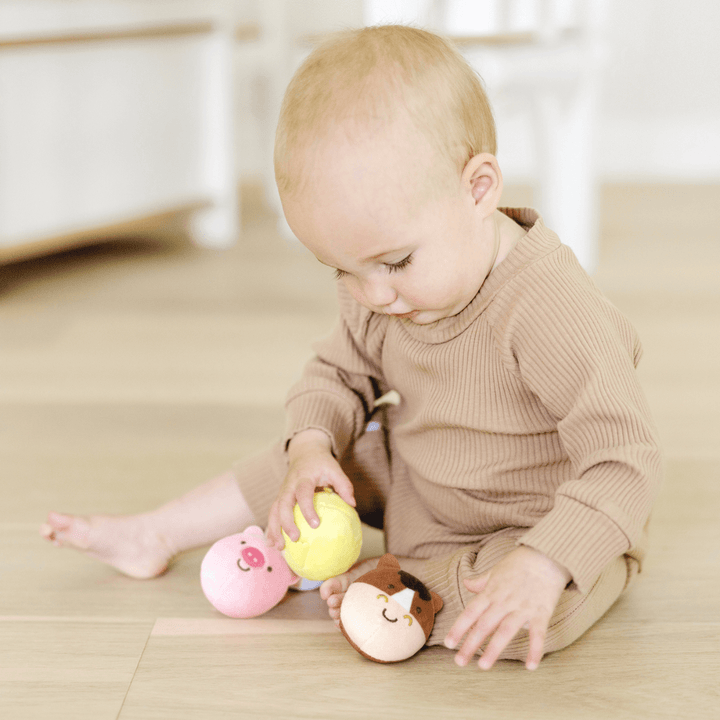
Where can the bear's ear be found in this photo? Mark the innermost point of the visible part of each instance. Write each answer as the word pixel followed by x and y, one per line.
pixel 388 562
pixel 437 603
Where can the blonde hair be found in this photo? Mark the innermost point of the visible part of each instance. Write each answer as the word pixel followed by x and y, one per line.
pixel 368 75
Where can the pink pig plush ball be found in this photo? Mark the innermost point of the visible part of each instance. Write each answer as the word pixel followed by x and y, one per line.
pixel 243 577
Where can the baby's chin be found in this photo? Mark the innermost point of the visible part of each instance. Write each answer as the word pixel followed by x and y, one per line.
pixel 427 317
pixel 419 317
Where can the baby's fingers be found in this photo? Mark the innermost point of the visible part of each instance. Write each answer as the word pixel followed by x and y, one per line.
pixel 344 488
pixel 272 532
pixel 467 618
pixel 483 628
pixel 477 584
pixel 305 494
pixel 506 631
pixel 537 645
pixel 287 522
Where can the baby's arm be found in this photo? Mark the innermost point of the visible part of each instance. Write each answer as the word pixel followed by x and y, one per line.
pixel 311 465
pixel 325 410
pixel 522 590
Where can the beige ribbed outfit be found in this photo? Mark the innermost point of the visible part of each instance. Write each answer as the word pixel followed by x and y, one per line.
pixel 521 421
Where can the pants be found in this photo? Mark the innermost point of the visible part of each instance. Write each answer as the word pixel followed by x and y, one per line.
pixel 385 499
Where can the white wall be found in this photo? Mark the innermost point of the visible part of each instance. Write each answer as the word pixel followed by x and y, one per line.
pixel 659 115
pixel 661 104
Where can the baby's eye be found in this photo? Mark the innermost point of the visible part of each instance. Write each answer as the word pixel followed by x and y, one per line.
pixel 340 274
pixel 394 267
pixel 384 597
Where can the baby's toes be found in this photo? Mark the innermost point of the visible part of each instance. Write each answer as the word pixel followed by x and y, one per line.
pixel 331 587
pixel 55 527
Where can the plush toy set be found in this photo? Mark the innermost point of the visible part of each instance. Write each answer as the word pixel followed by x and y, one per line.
pixel 386 614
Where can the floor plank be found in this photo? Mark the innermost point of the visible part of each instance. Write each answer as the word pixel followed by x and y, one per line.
pixel 76 668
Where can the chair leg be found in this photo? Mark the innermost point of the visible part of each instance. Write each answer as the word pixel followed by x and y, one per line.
pixel 567 185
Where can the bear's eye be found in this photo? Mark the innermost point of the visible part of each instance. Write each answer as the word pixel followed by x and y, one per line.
pixel 384 597
pixel 409 619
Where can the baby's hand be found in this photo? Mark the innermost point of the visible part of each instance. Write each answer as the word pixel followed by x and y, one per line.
pixel 522 590
pixel 311 465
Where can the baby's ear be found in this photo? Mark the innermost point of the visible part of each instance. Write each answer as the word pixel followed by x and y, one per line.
pixel 483 179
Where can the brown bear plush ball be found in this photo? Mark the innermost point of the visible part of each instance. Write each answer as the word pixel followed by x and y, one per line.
pixel 387 614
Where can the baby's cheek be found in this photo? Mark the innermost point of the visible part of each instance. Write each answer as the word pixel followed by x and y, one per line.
pixel 353 287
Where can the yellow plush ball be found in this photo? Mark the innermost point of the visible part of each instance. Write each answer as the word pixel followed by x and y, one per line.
pixel 332 547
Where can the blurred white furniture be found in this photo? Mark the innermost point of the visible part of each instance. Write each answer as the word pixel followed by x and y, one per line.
pixel 541 58
pixel 114 116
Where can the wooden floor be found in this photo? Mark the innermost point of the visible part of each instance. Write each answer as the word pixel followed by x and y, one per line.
pixel 132 371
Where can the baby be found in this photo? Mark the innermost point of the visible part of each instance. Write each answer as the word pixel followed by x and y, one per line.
pixel 516 473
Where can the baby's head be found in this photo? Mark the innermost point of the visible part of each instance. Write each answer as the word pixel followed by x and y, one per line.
pixel 385 160
pixel 364 80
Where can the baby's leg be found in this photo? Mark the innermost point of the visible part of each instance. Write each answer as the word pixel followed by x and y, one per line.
pixel 142 545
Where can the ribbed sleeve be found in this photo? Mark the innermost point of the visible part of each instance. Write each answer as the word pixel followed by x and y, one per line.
pixel 577 354
pixel 340 384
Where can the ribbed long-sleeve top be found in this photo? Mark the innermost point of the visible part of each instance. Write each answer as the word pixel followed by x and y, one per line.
pixel 522 411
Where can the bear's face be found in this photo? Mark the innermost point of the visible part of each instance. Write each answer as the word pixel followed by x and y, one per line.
pixel 387 614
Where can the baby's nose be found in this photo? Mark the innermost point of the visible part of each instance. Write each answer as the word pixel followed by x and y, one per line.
pixel 379 292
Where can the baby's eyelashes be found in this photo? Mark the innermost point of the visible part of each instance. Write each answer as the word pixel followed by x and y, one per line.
pixel 391 267
pixel 394 267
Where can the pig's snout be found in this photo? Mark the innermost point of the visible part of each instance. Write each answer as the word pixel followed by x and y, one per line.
pixel 253 557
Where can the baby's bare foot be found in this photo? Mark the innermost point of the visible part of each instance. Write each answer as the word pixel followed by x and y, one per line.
pixel 128 543
pixel 333 590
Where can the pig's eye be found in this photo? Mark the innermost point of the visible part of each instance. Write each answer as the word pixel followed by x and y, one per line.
pixel 269 569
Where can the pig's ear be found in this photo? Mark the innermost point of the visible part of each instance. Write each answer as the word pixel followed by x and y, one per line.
pixel 254 530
